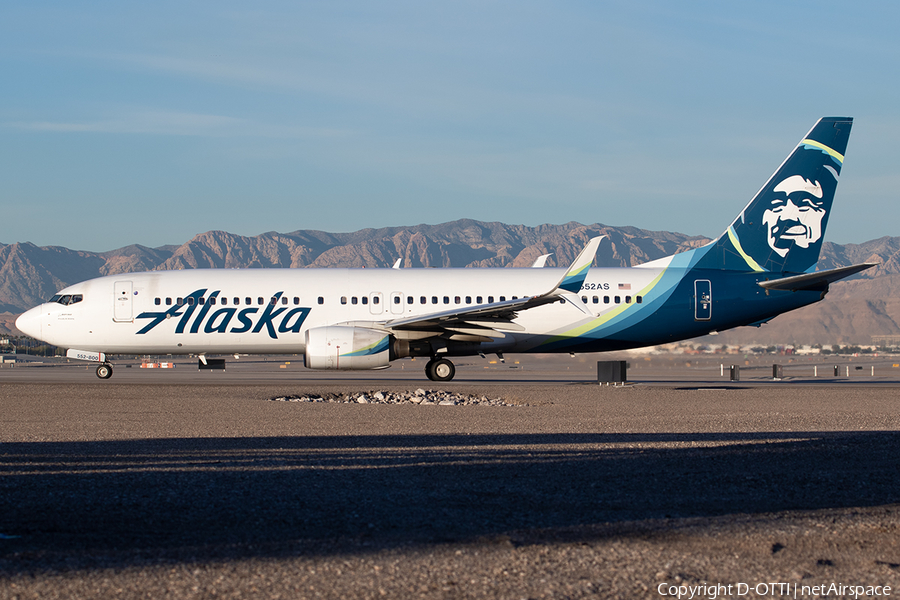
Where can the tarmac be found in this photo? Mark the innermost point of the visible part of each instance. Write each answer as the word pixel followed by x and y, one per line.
pixel 198 484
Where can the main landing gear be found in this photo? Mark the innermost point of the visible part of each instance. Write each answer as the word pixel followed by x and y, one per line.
pixel 440 369
pixel 104 371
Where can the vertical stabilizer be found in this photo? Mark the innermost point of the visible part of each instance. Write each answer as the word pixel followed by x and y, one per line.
pixel 782 228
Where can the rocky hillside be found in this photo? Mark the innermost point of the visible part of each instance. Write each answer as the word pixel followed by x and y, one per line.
pixel 855 309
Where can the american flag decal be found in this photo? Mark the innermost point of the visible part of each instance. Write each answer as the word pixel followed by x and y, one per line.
pixel 624 286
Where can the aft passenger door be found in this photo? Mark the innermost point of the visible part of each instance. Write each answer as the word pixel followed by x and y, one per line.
pixel 702 300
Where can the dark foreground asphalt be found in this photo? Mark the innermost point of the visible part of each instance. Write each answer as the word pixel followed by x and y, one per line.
pixel 202 491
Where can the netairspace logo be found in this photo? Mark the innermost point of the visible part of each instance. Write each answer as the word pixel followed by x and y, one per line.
pixel 771 590
pixel 220 320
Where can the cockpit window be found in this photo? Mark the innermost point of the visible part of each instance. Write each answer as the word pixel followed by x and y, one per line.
pixel 67 299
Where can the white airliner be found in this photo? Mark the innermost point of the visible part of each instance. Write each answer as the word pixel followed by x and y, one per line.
pixel 345 319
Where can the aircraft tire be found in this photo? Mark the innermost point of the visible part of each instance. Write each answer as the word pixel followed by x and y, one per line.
pixel 440 370
pixel 104 371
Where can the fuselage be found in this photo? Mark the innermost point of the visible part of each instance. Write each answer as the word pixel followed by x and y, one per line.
pixel 260 311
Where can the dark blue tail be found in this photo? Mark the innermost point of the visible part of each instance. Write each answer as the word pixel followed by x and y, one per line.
pixel 781 230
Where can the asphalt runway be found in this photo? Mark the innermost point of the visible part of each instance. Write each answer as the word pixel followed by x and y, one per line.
pixel 182 483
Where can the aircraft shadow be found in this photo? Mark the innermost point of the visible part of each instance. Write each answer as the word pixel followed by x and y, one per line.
pixel 117 503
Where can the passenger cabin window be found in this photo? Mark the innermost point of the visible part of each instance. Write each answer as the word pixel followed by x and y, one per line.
pixel 478 299
pixel 284 299
pixel 396 299
pixel 365 299
pixel 296 300
pixel 248 301
pixel 343 299
pixel 354 300
pixel 410 299
pixel 260 301
pixel 618 299
pixel 639 299
pixel 157 301
pixel 321 300
pixel 224 300
pixel 375 299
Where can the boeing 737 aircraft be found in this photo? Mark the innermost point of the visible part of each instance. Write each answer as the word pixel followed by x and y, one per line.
pixel 761 266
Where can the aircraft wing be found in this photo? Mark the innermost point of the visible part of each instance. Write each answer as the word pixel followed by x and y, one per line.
pixel 817 281
pixel 483 319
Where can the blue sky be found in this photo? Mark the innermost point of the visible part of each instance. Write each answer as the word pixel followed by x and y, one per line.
pixel 125 122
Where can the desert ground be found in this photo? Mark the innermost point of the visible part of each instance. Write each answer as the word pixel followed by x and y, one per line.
pixel 197 484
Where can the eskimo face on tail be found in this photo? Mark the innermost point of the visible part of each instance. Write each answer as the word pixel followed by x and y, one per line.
pixel 794 215
pixel 783 226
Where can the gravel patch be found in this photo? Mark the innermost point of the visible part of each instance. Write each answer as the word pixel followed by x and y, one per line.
pixel 420 396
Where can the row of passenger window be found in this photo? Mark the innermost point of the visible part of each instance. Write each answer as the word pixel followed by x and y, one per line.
pixel 224 301
pixel 353 300
pixel 375 299
pixel 615 299
pixel 397 299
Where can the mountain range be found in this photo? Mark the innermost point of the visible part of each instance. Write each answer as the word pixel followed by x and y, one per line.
pixel 853 312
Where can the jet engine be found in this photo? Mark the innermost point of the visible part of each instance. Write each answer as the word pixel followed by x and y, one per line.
pixel 347 348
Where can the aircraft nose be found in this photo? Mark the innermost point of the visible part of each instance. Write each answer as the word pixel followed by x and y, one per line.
pixel 29 322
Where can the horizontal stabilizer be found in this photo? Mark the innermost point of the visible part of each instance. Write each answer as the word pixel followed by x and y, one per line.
pixel 817 281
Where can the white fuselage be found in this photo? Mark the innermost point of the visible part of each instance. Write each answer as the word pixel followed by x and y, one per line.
pixel 259 311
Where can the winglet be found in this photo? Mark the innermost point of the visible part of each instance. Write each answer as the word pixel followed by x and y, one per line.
pixel 541 261
pixel 575 276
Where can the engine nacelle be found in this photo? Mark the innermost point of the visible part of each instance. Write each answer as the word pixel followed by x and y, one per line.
pixel 346 348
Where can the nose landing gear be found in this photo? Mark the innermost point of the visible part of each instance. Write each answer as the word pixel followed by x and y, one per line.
pixel 104 371
pixel 440 369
